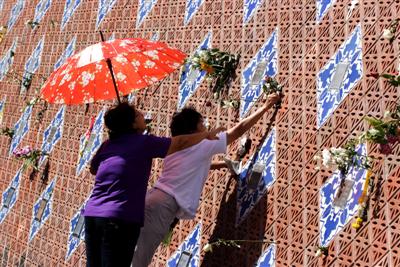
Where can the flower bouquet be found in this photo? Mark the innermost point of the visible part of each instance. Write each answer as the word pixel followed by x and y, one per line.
pixel 390 33
pixel 30 157
pixel 271 86
pixel 7 132
pixel 220 68
pixel 230 243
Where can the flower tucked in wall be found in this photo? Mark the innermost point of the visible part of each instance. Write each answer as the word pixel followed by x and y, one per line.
pixel 390 33
pixel 271 86
pixel 30 157
pixel 230 103
pixel 393 79
pixel 385 132
pixel 220 68
pixel 32 24
pixel 344 158
pixel 230 243
pixel 321 251
pixel 7 132
pixel 3 31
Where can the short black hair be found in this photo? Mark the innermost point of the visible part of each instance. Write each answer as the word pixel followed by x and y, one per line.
pixel 119 119
pixel 185 121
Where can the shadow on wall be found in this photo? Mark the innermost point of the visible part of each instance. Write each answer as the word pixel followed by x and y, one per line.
pixel 252 228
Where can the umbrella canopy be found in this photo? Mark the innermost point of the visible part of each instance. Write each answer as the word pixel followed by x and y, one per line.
pixel 86 77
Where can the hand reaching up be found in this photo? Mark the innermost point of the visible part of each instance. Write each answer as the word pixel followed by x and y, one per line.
pixel 273 99
pixel 212 134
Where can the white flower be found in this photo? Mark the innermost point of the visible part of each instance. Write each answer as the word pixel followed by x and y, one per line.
pixel 86 78
pixel 66 78
pixel 317 157
pixel 149 64
pixel 120 76
pixel 71 86
pixel 153 54
pixel 121 59
pixel 387 34
pixel 196 60
pixel 373 131
pixel 207 248
pixel 327 159
pixel 135 63
pixel 318 253
pixel 203 55
pixel 388 114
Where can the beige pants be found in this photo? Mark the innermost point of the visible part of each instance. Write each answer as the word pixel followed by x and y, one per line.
pixel 160 211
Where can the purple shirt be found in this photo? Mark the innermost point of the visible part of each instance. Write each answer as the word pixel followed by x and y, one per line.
pixel 122 167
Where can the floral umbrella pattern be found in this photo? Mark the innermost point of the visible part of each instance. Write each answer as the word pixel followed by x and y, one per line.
pixel 333 219
pixel 85 77
pixel 191 246
pixel 10 196
pixel 247 199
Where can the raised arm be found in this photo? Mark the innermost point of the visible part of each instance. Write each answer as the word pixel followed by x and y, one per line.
pixel 184 141
pixel 244 125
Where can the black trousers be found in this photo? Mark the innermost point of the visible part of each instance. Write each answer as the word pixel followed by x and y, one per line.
pixel 110 242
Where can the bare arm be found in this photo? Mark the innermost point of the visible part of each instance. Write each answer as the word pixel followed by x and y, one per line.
pixel 216 165
pixel 184 141
pixel 244 125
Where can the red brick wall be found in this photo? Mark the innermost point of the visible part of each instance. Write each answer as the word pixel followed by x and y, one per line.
pixel 289 213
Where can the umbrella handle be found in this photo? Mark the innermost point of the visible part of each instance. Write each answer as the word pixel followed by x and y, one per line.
pixel 111 71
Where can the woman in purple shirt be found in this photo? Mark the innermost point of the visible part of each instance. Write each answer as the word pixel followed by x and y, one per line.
pixel 114 212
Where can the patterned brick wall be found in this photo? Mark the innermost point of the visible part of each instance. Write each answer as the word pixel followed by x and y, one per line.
pixel 303 42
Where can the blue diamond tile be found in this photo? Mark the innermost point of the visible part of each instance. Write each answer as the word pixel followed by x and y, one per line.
pixel 268 258
pixel 155 36
pixel 41 9
pixel 191 78
pixel 21 128
pixel 10 196
pixel 322 8
pixel 105 6
pixel 68 52
pixel 332 219
pixel 53 133
pixel 246 198
pixel 1 5
pixel 43 205
pixel 88 145
pixel 69 9
pixel 192 6
pixel 15 13
pixel 249 8
pixel 33 63
pixel 330 93
pixel 145 7
pixel 190 245
pixel 76 232
pixel 7 60
pixel 2 106
pixel 264 63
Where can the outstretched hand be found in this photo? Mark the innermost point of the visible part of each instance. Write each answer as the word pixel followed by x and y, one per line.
pixel 212 134
pixel 273 99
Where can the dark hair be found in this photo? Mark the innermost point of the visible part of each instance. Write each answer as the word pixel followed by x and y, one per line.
pixel 119 119
pixel 185 121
